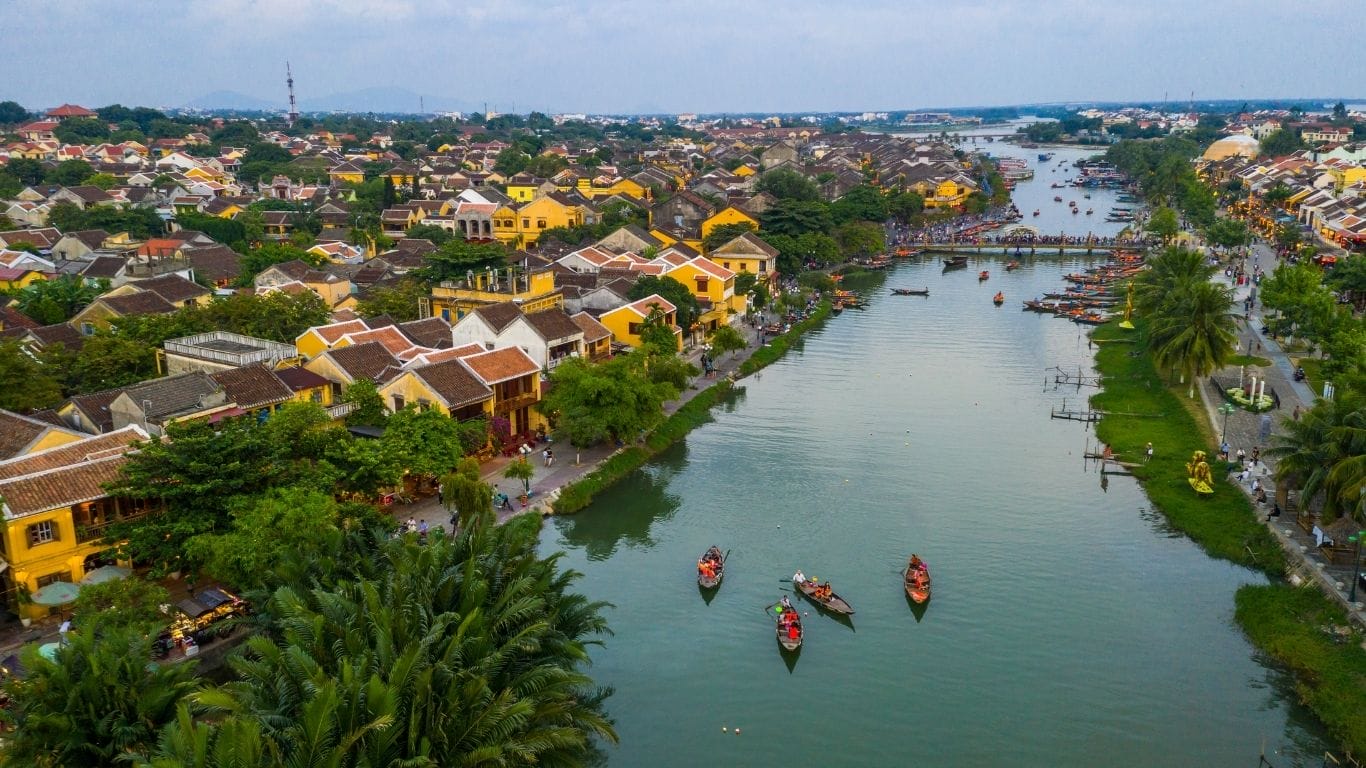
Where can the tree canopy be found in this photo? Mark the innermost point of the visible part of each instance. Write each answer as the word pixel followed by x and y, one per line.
pixel 674 292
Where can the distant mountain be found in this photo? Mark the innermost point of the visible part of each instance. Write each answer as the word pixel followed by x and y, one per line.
pixel 382 99
pixel 232 100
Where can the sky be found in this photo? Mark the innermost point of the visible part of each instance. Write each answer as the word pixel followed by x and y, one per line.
pixel 706 56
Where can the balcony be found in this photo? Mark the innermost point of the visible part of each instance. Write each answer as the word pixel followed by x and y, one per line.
pixel 516 402
pixel 340 410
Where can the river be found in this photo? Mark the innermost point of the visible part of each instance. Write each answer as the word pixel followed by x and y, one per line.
pixel 1069 625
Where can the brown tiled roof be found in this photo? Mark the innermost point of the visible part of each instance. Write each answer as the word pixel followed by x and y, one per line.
pixel 592 329
pixel 95 407
pixel 499 315
pixel 253 386
pixel 453 383
pixel 501 364
pixel 173 288
pixel 300 378
pixel 13 318
pixel 18 432
pixel 91 238
pixel 216 262
pixel 174 395
pixel 140 303
pixel 61 333
pixel 65 475
pixel 364 361
pixel 432 332
pixel 553 324
pixel 104 266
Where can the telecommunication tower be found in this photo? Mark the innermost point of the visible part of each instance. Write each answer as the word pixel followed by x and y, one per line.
pixel 293 107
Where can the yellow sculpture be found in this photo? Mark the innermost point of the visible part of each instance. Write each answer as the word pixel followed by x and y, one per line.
pixel 1198 470
pixel 1127 323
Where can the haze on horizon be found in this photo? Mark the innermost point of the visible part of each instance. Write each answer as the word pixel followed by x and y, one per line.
pixel 613 56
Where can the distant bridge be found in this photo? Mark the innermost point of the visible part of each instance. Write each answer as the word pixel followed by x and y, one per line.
pixel 1026 247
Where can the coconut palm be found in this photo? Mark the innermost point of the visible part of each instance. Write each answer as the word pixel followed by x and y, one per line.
pixel 463 652
pixel 1194 333
pixel 1169 274
pixel 1324 454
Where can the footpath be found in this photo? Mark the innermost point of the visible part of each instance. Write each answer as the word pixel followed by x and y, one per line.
pixel 1247 430
pixel 571 464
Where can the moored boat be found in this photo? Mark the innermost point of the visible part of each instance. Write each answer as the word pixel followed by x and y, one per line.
pixel 711 568
pixel 956 261
pixel 916 580
pixel 911 291
pixel 822 595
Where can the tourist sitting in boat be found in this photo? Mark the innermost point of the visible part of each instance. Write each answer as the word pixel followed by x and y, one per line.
pixel 706 568
pixel 916 563
pixel 799 577
pixel 787 604
pixel 824 591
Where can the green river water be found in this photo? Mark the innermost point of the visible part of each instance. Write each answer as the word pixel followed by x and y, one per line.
pixel 1069 626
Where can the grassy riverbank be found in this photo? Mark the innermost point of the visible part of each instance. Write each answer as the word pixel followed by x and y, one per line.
pixel 694 413
pixel 1299 627
pixel 1144 409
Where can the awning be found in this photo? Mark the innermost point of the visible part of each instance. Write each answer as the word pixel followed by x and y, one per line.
pixel 226 413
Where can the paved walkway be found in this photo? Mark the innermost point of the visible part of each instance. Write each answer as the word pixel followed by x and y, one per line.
pixel 1246 430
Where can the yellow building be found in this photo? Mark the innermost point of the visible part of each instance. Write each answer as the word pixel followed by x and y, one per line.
pixel 521 224
pixel 56 510
pixel 625 321
pixel 515 380
pixel 744 170
pixel 714 288
pixel 749 253
pixel 18 277
pixel 21 435
pixel 453 299
pixel 728 215
pixel 307 386
pixel 448 386
pixel 943 193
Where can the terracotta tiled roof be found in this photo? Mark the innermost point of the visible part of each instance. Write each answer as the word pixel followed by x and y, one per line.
pixel 592 329
pixel 140 303
pixel 331 333
pixel 501 364
pixel 173 288
pixel 364 361
pixel 18 432
pixel 299 378
pixel 253 386
pixel 553 324
pixel 432 332
pixel 215 262
pixel 92 448
pixel 453 383
pixel 499 316
pixel 61 333
pixel 642 306
pixel 390 336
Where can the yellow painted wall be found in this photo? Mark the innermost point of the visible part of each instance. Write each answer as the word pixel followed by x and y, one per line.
pixel 53 438
pixel 25 280
pixel 30 563
pixel 620 320
pixel 451 304
pixel 727 215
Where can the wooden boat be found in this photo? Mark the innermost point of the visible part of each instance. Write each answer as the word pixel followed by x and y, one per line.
pixel 998 299
pixel 837 308
pixel 787 620
pixel 1090 318
pixel 1036 212
pixel 835 604
pixel 1057 198
pixel 983 275
pixel 956 261
pixel 911 291
pixel 1012 265
pixel 917 583
pixel 712 579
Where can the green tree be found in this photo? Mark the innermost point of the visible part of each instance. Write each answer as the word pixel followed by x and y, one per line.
pixel 431 232
pixel 1164 224
pixel 465 651
pixel 862 203
pixel 511 161
pixel 29 172
pixel 25 383
pixel 520 470
pixel 723 234
pixel 457 258
pixel 860 238
pixel 1321 455
pixel 787 184
pixel 107 360
pixel 905 206
pixel 81 130
pixel 268 533
pixel 12 112
pixel 425 443
pixel 236 133
pixel 795 217
pixel 54 301
pixel 96 704
pixel 1288 236
pixel 614 399
pixel 1228 233
pixel 1196 334
pixel 1281 142
pixel 369 410
pixel 398 301
pixel 103 181
pixel 132 602
pixel 726 339
pixel 464 493
pixel 70 173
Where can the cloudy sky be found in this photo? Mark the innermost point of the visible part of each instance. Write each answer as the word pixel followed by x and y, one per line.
pixel 602 56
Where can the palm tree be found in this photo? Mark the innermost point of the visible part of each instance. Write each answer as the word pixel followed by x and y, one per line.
pixel 1324 455
pixel 1194 333
pixel 464 651
pixel 1168 273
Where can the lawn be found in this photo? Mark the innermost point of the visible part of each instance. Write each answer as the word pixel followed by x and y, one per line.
pixel 1313 373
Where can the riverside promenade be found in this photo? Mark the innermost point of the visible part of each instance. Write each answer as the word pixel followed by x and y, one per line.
pixel 570 464
pixel 1245 430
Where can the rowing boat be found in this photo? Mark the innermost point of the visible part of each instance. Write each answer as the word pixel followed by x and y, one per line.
pixel 911 291
pixel 710 577
pixel 834 604
pixel 998 299
pixel 788 628
pixel 917 582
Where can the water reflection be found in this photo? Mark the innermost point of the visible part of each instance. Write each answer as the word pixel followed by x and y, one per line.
pixel 637 503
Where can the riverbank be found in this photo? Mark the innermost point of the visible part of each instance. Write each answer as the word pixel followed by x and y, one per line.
pixel 578 494
pixel 1141 408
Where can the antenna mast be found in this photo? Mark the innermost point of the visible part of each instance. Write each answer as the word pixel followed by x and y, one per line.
pixel 293 107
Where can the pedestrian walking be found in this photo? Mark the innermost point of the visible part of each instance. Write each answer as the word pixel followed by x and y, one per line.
pixel 411 525
pixel 1241 456
pixel 1148 454
pixel 1295 414
pixel 440 494
pixel 63 630
pixel 545 457
pixel 549 457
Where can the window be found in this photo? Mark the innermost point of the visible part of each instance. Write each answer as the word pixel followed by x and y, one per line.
pixel 42 533
pixel 53 578
pixel 633 329
pixel 526 223
pixel 398 402
pixel 763 266
pixel 540 223
pixel 87 329
pixel 701 285
pixel 316 396
pixel 726 264
pixel 424 404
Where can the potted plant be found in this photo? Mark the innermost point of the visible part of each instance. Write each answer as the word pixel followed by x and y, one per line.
pixel 25 598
